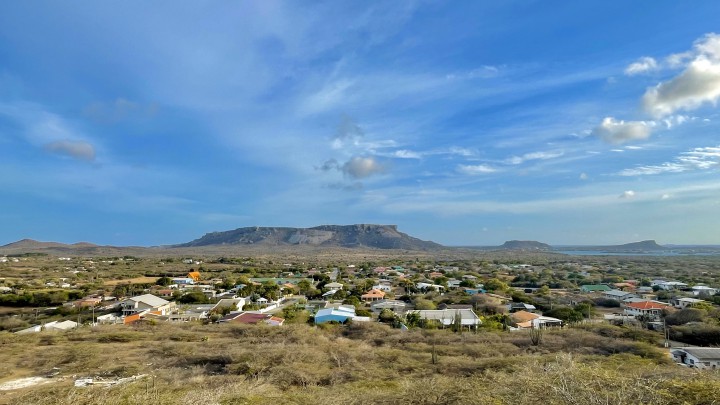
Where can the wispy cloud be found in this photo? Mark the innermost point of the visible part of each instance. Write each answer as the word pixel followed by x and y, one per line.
pixel 695 159
pixel 642 65
pixel 516 160
pixel 474 170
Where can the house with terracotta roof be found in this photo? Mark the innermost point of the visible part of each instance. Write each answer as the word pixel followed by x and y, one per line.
pixel 651 309
pixel 373 295
pixel 525 320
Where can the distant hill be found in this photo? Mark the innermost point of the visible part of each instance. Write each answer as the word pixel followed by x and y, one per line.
pixel 33 244
pixel 525 245
pixel 345 236
pixel 643 245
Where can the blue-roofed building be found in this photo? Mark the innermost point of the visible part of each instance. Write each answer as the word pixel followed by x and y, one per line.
pixel 340 314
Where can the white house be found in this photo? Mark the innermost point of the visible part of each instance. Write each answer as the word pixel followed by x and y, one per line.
pixel 448 316
pixel 50 326
pixel 146 302
pixel 698 357
pixel 427 286
pixel 672 285
pixel 704 290
pixel 382 287
pixel 681 303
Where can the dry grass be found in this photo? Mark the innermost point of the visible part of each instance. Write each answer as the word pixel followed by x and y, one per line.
pixel 359 364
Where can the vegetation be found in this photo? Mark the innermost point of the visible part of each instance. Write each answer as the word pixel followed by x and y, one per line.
pixel 358 363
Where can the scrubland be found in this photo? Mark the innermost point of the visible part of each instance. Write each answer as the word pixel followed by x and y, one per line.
pixel 362 363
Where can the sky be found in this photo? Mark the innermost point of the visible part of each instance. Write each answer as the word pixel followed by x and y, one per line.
pixel 464 122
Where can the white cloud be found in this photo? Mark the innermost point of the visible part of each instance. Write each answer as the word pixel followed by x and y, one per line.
pixel 694 159
pixel 361 167
pixel 75 149
pixel 474 170
pixel 642 65
pixel 406 154
pixel 628 194
pixel 697 85
pixel 516 160
pixel 617 132
pixel 583 176
pixel 665 197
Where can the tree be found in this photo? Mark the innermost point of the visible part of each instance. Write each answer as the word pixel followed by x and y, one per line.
pixel 422 304
pixel 164 281
pixel 194 297
pixel 412 319
pixel 386 316
pixel 495 284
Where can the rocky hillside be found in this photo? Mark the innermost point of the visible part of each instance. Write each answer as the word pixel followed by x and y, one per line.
pixel 346 236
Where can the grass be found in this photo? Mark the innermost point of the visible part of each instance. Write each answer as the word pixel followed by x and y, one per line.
pixel 362 363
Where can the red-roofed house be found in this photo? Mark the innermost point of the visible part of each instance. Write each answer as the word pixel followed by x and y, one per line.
pixel 373 295
pixel 652 309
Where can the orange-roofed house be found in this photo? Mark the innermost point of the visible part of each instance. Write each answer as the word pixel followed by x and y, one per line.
pixel 373 295
pixel 651 309
pixel 525 319
pixel 195 275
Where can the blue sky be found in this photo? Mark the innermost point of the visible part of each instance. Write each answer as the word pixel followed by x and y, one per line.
pixel 466 123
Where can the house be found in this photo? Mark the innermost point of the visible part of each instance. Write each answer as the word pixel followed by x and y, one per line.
pixel 146 302
pixel 681 303
pixel 382 287
pixel 253 318
pixel 108 319
pixel 594 288
pixel 520 306
pixel 334 286
pixel 87 302
pixel 525 319
pixel 373 295
pixel 650 309
pixel 329 294
pixel 672 285
pixel 698 357
pixel 398 307
pixel 50 326
pixel 233 304
pixel 428 286
pixel 183 280
pixel 704 290
pixel 341 314
pixel 448 317
pixel 617 295
pixel 195 275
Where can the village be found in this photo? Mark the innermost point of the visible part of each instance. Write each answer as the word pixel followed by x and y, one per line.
pixel 455 296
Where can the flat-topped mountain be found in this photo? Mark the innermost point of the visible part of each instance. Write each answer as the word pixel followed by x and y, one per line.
pixel 525 245
pixel 346 236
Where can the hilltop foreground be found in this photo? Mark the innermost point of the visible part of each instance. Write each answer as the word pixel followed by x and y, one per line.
pixel 355 364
